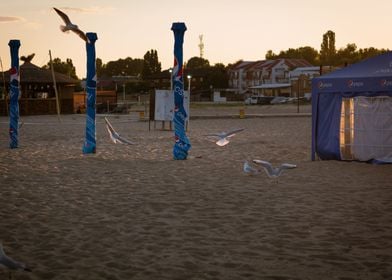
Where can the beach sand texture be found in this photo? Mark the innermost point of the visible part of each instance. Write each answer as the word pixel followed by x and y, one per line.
pixel 132 212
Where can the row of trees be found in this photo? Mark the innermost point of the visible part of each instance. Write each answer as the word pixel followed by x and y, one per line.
pixel 216 75
pixel 328 54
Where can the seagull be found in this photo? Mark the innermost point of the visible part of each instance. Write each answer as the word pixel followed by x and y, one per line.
pixel 274 172
pixel 114 136
pixel 250 169
pixel 9 263
pixel 27 59
pixel 69 26
pixel 224 136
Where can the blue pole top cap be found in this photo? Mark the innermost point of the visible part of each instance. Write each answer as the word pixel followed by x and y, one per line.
pixel 178 26
pixel 92 36
pixel 14 43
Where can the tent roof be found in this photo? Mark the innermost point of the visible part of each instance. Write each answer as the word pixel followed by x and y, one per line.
pixel 372 74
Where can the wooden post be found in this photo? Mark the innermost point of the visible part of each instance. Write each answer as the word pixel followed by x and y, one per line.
pixel 55 87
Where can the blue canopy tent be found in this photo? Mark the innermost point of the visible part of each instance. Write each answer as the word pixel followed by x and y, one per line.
pixel 352 111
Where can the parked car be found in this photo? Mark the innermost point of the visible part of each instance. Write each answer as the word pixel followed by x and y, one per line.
pixel 279 100
pixel 252 100
pixel 260 100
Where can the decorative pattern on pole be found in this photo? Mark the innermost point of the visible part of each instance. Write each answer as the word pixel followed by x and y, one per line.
pixel 91 87
pixel 182 144
pixel 14 93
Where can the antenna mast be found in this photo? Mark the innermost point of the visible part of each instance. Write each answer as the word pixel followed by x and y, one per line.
pixel 201 46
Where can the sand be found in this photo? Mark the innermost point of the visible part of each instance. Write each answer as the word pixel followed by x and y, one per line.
pixel 132 212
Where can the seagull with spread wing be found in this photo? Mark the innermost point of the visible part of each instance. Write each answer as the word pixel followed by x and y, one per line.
pixel 223 137
pixel 28 58
pixel 69 26
pixel 10 264
pixel 249 169
pixel 274 172
pixel 114 136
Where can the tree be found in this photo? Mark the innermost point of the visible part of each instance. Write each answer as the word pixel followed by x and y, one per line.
pixel 270 55
pixel 123 67
pixel 66 68
pixel 217 76
pixel 347 55
pixel 369 52
pixel 197 63
pixel 308 53
pixel 99 67
pixel 151 64
pixel 328 49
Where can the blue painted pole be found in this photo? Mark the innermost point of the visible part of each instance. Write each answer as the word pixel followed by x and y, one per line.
pixel 14 93
pixel 91 88
pixel 182 144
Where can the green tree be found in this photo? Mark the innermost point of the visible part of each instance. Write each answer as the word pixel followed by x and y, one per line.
pixel 328 49
pixel 369 52
pixel 347 55
pixel 270 55
pixel 66 68
pixel 123 67
pixel 99 67
pixel 151 64
pixel 197 63
pixel 217 76
pixel 308 53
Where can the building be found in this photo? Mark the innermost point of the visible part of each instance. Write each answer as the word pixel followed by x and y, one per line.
pixel 37 92
pixel 264 77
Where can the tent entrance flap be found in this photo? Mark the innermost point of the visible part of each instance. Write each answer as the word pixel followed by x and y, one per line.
pixel 366 128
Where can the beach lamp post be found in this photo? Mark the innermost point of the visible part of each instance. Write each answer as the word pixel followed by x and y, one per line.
pixel 14 93
pixel 182 144
pixel 171 79
pixel 189 84
pixel 91 88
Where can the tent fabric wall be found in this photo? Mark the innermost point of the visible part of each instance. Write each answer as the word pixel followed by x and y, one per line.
pixel 373 128
pixel 328 133
pixel 371 78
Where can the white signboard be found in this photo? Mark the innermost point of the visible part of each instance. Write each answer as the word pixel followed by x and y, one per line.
pixel 164 105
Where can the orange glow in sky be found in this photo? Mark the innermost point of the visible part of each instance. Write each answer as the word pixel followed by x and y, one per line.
pixel 232 30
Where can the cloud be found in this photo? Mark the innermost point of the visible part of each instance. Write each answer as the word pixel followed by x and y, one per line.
pixel 90 10
pixel 5 19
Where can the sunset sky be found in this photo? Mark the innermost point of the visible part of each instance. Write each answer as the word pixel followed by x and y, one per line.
pixel 232 30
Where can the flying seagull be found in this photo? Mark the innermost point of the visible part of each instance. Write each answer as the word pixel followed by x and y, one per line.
pixel 274 172
pixel 223 137
pixel 27 59
pixel 10 264
pixel 114 136
pixel 250 169
pixel 69 26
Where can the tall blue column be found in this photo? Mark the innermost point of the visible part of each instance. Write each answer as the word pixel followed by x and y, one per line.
pixel 91 88
pixel 14 93
pixel 182 144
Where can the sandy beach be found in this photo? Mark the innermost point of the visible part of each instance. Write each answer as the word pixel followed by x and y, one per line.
pixel 132 212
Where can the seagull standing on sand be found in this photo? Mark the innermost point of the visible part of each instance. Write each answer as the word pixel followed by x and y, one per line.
pixel 10 264
pixel 69 26
pixel 114 136
pixel 250 169
pixel 224 136
pixel 274 172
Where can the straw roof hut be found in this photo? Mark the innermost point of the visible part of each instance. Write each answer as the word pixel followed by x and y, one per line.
pixel 37 93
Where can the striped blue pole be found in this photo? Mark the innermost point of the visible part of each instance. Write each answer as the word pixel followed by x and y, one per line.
pixel 14 93
pixel 91 88
pixel 182 144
